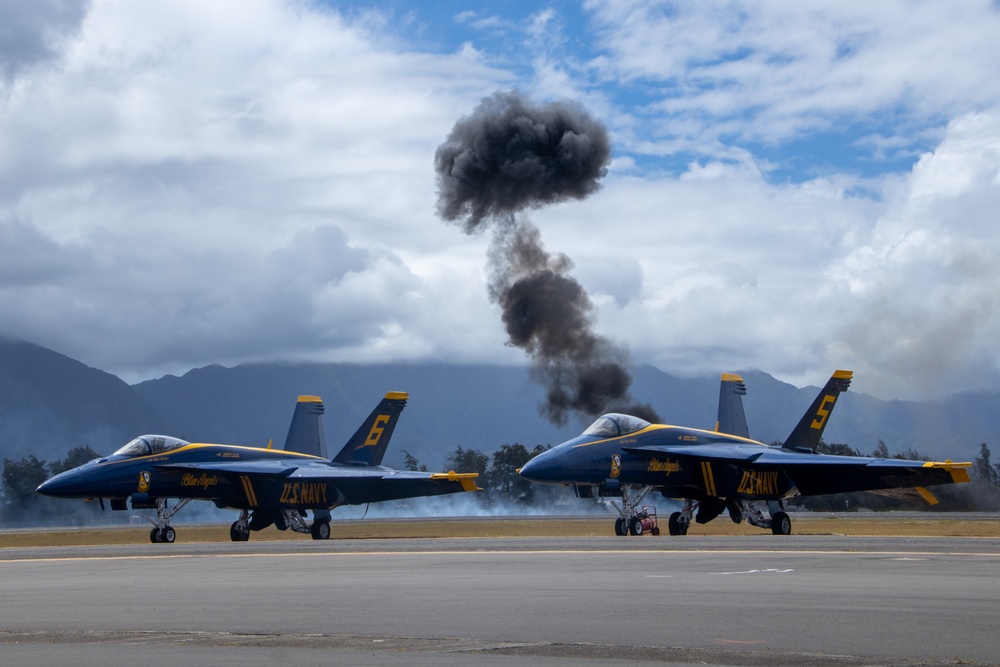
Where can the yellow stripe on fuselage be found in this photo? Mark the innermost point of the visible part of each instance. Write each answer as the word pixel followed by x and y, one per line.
pixel 706 471
pixel 248 489
pixel 226 448
pixel 658 427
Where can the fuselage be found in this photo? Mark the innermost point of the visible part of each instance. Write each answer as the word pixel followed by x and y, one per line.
pixel 165 467
pixel 613 453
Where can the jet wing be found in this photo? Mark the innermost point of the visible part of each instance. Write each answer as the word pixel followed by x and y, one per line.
pixel 721 453
pixel 272 468
pixel 815 474
pixel 368 484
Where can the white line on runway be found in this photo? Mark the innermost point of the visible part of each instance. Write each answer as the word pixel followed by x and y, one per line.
pixel 525 552
pixel 768 571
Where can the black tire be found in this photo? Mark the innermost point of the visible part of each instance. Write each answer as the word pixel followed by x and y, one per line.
pixel 154 535
pixel 674 526
pixel 237 535
pixel 320 530
pixel 635 527
pixel 168 535
pixel 781 524
pixel 621 527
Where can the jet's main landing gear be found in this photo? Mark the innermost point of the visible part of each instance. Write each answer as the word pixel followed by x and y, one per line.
pixel 779 522
pixel 319 528
pixel 240 530
pixel 679 522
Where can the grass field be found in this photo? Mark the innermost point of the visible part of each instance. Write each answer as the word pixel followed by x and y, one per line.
pixel 521 527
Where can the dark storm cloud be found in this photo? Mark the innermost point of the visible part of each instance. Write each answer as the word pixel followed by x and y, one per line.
pixel 512 154
pixel 32 32
pixel 509 155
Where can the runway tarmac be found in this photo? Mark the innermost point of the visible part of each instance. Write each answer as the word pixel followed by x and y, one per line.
pixel 765 600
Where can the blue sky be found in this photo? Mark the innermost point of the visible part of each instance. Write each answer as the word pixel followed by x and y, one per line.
pixel 795 187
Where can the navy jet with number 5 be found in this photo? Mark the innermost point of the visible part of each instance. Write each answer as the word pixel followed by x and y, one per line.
pixel 711 471
pixel 268 486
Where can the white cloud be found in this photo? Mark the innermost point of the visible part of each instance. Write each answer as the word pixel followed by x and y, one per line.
pixel 186 183
pixel 193 174
pixel 775 70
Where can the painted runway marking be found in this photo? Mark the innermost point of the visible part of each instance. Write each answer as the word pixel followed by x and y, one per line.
pixel 768 571
pixel 504 552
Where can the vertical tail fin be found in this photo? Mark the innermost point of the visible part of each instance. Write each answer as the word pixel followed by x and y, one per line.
pixel 809 430
pixel 367 445
pixel 305 433
pixel 732 418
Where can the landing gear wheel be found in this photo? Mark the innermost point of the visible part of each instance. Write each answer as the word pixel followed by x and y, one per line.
pixel 621 527
pixel 154 536
pixel 635 527
pixel 781 524
pixel 168 535
pixel 674 525
pixel 237 535
pixel 320 530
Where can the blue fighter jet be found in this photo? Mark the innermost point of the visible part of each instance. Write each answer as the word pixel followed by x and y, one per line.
pixel 268 486
pixel 712 471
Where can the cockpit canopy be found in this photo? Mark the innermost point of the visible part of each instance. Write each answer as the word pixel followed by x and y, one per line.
pixel 613 424
pixel 147 445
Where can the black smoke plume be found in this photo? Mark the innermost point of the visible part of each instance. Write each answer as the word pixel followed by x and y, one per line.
pixel 509 155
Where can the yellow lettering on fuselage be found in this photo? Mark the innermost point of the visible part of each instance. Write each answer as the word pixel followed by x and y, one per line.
pixel 656 465
pixel 303 493
pixel 204 480
pixel 759 483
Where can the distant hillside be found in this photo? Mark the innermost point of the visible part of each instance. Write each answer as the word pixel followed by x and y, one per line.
pixel 49 403
pixel 470 406
pixel 487 406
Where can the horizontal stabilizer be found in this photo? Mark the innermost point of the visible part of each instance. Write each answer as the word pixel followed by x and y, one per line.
pixel 916 495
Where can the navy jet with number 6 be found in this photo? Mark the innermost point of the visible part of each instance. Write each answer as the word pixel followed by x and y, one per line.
pixel 268 486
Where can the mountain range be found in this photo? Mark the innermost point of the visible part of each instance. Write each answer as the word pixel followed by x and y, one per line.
pixel 50 403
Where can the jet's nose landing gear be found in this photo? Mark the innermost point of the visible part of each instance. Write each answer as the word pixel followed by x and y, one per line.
pixel 629 510
pixel 162 530
pixel 166 534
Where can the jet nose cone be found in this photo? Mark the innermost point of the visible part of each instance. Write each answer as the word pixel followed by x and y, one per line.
pixel 542 468
pixel 63 485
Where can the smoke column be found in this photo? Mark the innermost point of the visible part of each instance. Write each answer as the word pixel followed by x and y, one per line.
pixel 509 155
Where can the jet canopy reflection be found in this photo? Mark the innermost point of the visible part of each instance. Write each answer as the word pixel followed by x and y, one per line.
pixel 147 445
pixel 614 424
